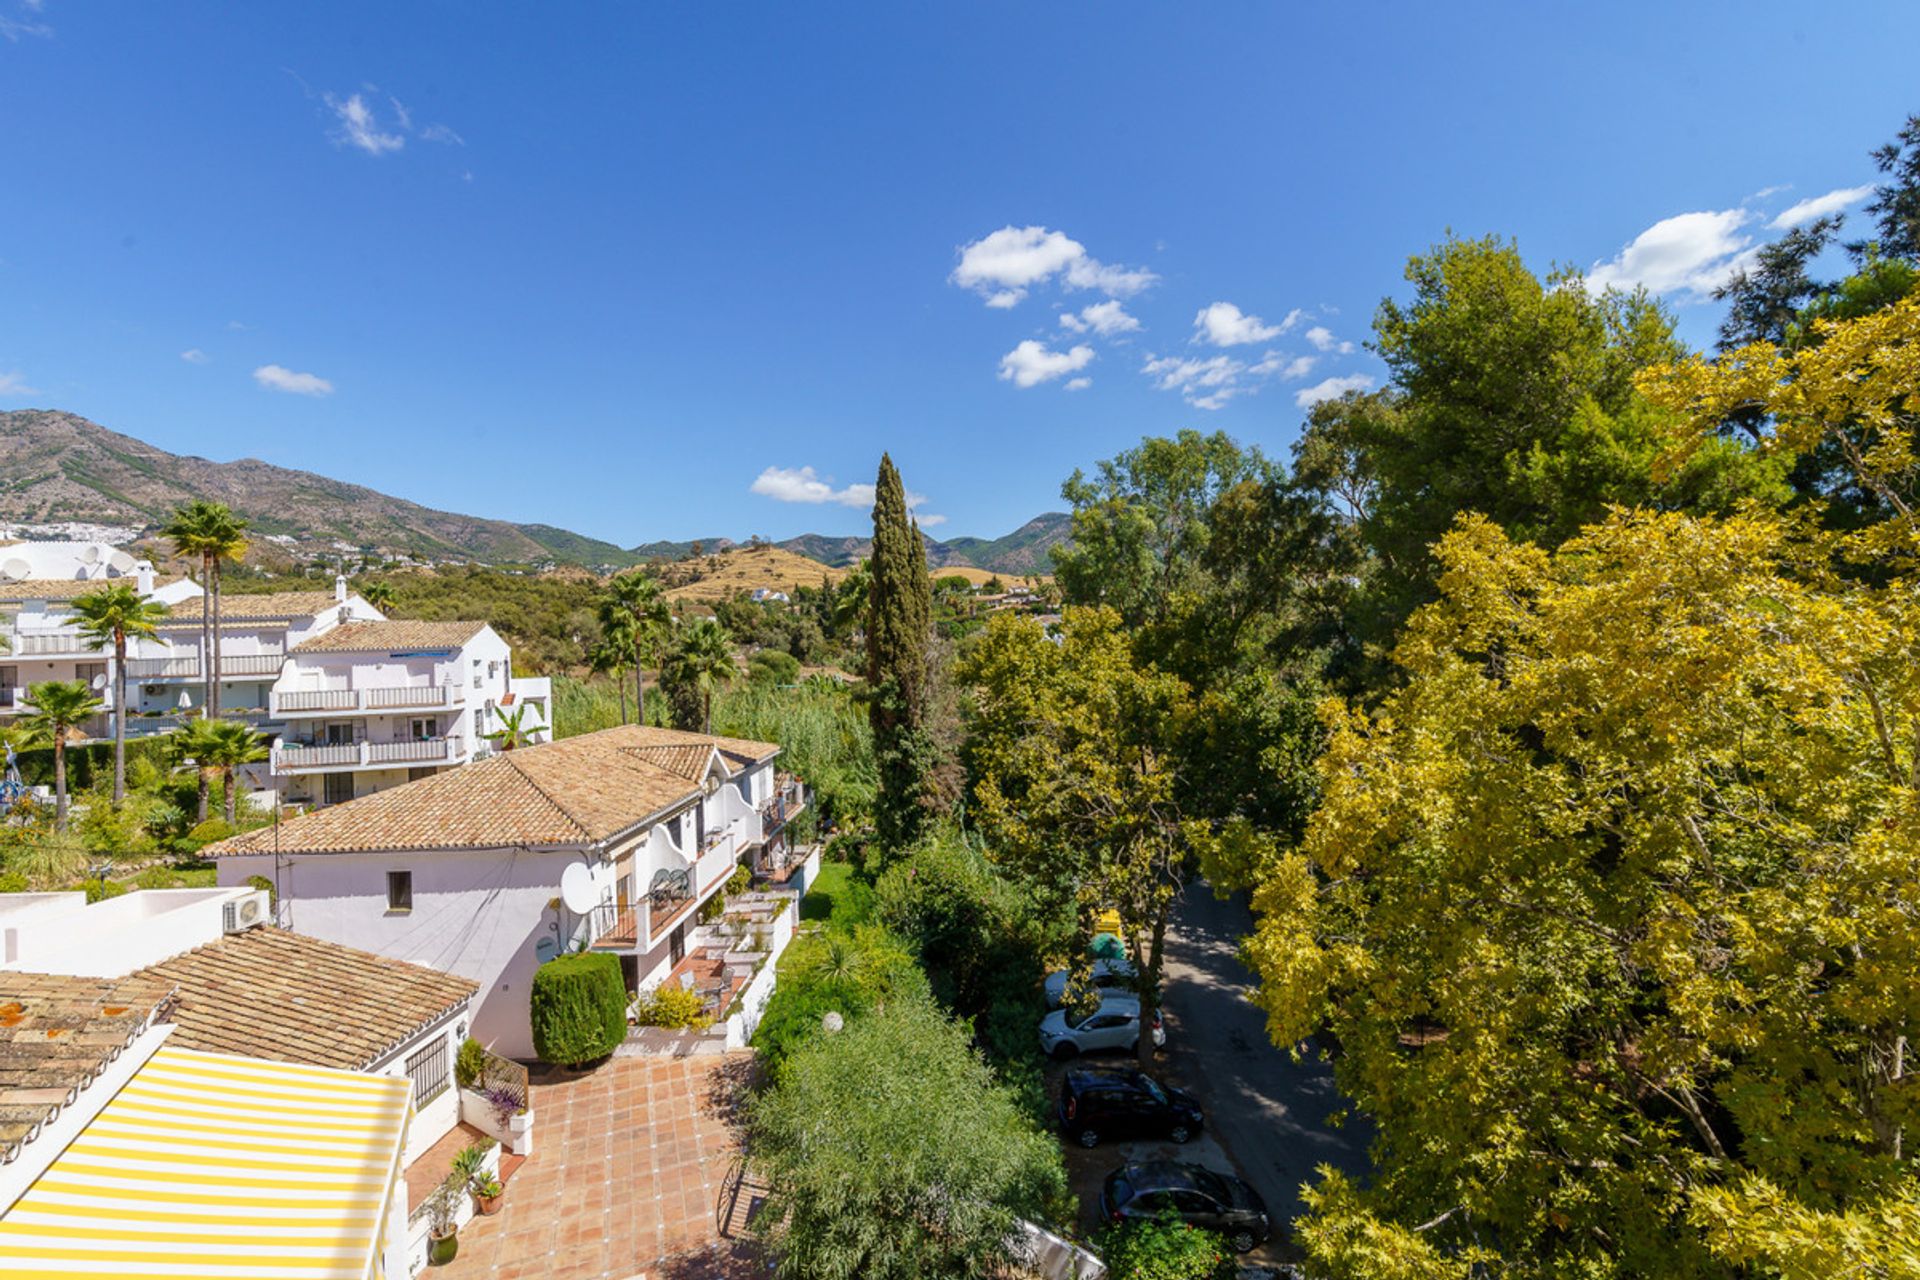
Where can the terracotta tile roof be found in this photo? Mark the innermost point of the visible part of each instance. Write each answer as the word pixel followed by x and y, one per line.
pixel 357 637
pixel 256 607
pixel 68 588
pixel 57 1035
pixel 576 791
pixel 268 993
pixel 689 759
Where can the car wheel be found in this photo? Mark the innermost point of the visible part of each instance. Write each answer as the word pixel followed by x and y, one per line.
pixel 1241 1241
pixel 1180 1133
pixel 1064 1050
pixel 1088 1137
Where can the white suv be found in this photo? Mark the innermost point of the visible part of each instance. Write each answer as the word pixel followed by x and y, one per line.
pixel 1115 1024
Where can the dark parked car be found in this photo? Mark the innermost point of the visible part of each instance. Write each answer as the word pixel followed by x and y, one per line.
pixel 1213 1201
pixel 1097 1105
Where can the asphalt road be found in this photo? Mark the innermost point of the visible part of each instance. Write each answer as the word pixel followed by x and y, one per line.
pixel 1267 1111
pixel 1266 1114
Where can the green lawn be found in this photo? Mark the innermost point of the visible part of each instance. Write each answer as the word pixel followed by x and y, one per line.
pixel 831 885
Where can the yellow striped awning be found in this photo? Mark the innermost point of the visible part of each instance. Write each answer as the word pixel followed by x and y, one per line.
pixel 208 1165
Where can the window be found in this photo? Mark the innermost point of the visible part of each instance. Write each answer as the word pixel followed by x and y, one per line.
pixel 87 672
pixel 423 729
pixel 399 890
pixel 337 788
pixel 427 1067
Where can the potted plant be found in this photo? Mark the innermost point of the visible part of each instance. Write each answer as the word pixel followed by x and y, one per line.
pixel 487 1192
pixel 443 1235
pixel 470 1171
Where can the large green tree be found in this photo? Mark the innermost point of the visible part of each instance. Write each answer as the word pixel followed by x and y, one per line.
pixel 701 662
pixel 899 620
pixel 893 1155
pixel 109 618
pixel 634 607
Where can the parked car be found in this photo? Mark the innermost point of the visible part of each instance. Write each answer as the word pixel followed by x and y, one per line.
pixel 1196 1195
pixel 1096 1105
pixel 1107 975
pixel 1113 1024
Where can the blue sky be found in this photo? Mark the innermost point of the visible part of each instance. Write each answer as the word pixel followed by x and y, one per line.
pixel 674 270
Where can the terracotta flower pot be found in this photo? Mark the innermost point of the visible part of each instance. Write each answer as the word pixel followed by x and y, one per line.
pixel 488 1205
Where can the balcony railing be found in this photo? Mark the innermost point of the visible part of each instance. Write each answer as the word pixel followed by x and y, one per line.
pixel 430 697
pixel 187 666
pixel 783 806
pixel 299 757
pixel 27 644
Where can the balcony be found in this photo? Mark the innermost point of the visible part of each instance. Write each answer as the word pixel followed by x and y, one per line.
pixel 788 801
pixel 320 702
pixel 233 666
pixel 299 757
pixel 55 643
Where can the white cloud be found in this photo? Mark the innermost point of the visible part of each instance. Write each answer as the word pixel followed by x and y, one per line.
pixel 805 485
pixel 194 355
pixel 1293 318
pixel 1287 368
pixel 1005 264
pixel 929 521
pixel 1331 389
pixel 1104 318
pixel 1819 207
pixel 1204 384
pixel 1225 325
pixel 1079 384
pixel 1323 340
pixel 1694 252
pixel 12 29
pixel 15 384
pixel 359 127
pixel 278 378
pixel 1032 363
pixel 441 133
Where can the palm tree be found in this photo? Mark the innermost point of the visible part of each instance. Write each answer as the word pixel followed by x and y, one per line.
pixel 612 656
pixel 378 594
pixel 192 743
pixel 851 599
pixel 60 707
pixel 212 532
pixel 704 659
pixel 229 745
pixel 111 616
pixel 637 599
pixel 510 734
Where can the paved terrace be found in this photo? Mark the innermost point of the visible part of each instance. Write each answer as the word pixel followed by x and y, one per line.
pixel 628 1164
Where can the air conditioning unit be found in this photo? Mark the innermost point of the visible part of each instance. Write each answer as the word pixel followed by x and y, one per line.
pixel 241 914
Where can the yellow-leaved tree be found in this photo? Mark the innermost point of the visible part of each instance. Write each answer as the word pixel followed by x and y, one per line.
pixel 1614 906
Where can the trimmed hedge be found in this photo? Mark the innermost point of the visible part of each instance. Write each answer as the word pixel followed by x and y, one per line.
pixel 578 1008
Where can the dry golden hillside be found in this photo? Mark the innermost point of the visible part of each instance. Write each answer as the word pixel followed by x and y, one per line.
pixel 728 573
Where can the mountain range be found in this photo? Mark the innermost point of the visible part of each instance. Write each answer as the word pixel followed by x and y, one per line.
pixel 57 467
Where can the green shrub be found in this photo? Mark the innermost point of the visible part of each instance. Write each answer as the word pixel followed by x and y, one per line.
pixel 261 882
pixel 771 666
pixel 158 878
pixel 672 1005
pixel 468 1062
pixel 13 882
pixel 1168 1249
pixel 578 1008
pixel 740 880
pixel 100 890
pixel 206 833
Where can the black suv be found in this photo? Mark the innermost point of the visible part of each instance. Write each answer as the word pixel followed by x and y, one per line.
pixel 1096 1105
pixel 1200 1197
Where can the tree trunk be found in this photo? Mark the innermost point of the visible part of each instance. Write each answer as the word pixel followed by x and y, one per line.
pixel 620 684
pixel 226 776
pixel 206 786
pixel 206 635
pixel 1150 985
pixel 639 689
pixel 60 779
pixel 213 649
pixel 119 718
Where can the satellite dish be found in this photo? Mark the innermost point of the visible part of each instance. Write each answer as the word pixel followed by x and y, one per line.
pixel 90 554
pixel 16 569
pixel 577 889
pixel 120 562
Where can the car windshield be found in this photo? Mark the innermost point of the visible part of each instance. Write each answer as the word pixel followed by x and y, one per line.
pixel 1154 1090
pixel 1119 1188
pixel 1211 1184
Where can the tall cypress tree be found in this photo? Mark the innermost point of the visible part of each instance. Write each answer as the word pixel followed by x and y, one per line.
pixel 898 621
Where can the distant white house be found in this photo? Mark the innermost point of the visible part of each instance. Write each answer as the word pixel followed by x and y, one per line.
pixel 767 595
pixel 464 870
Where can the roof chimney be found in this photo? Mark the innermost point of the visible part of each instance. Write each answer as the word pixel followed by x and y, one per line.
pixel 144 577
pixel 340 588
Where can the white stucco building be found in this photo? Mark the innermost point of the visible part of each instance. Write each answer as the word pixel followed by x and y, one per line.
pixel 462 871
pixel 357 703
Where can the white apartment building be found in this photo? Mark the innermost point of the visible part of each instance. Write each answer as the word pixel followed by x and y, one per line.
pixel 357 703
pixel 463 871
pixel 367 705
